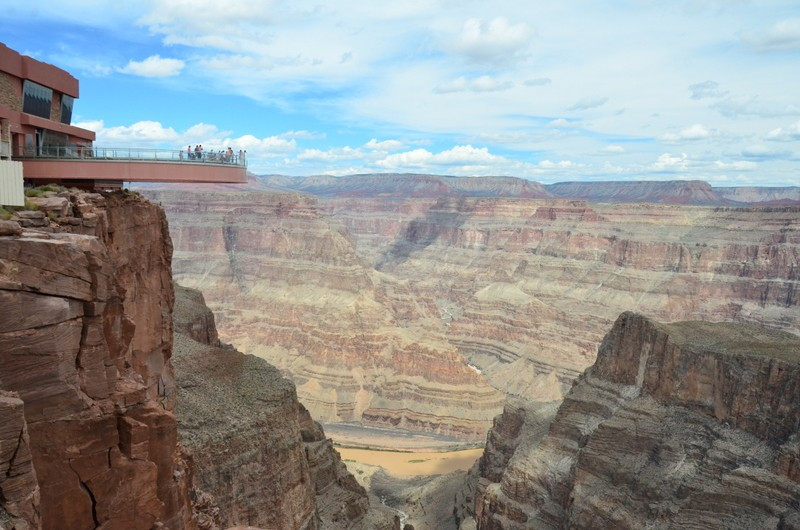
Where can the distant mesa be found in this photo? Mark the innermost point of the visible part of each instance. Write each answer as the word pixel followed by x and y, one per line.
pixel 688 192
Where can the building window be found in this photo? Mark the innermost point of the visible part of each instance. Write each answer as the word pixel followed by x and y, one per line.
pixel 66 108
pixel 36 99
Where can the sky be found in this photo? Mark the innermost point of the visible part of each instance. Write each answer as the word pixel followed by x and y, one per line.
pixel 548 91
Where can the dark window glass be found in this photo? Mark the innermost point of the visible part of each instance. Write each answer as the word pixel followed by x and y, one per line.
pixel 36 99
pixel 66 108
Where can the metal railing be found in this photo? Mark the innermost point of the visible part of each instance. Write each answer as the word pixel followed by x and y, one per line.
pixel 134 154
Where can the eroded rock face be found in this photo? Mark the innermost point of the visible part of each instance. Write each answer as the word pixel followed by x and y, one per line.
pixel 689 424
pixel 257 452
pixel 527 288
pixel 287 285
pixel 19 489
pixel 85 341
pixel 374 306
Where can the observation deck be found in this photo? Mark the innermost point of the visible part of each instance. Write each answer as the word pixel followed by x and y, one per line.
pixel 110 167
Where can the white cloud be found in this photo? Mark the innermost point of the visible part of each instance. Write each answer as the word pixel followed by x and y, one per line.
pixel 539 81
pixel 588 103
pixel 668 162
pixel 458 155
pixel 140 134
pixel 204 130
pixel 792 132
pixel 706 89
pixel 483 83
pixel 205 23
pixel 783 36
pixel 547 164
pixel 92 125
pixel 691 134
pixel 303 135
pixel 562 123
pixel 270 146
pixel 154 66
pixel 614 149
pixel 496 41
pixel 739 165
pixel 331 155
pixel 753 106
pixel 385 145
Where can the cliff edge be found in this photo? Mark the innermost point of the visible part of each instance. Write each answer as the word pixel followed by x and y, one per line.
pixel 86 387
pixel 691 424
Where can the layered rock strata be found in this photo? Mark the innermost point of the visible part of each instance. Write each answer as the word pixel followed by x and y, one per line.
pixel 370 298
pixel 85 341
pixel 691 424
pixel 256 450
pixel 527 288
pixel 287 285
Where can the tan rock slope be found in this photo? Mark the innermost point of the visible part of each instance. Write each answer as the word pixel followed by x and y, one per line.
pixel 256 450
pixel 287 285
pixel 685 425
pixel 87 387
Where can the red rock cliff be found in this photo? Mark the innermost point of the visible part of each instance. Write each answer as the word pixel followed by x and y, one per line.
pixel 85 343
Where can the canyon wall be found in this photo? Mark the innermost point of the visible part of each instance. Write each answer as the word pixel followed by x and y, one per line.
pixel 287 285
pixel 691 424
pixel 87 387
pixel 526 288
pixel 257 452
pixel 386 310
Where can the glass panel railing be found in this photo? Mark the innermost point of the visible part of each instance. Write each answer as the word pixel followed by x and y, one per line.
pixel 73 152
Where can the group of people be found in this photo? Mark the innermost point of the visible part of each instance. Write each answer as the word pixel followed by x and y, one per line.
pixel 225 155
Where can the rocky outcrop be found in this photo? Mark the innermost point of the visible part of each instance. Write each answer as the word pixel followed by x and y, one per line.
pixel 257 453
pixel 691 424
pixel 287 285
pixel 85 341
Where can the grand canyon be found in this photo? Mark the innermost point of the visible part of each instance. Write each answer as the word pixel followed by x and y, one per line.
pixel 421 302
pixel 302 265
pixel 627 352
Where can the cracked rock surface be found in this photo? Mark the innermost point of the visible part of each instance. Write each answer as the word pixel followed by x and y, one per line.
pixel 85 343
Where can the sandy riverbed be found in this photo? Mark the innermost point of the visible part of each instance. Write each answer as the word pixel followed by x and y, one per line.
pixel 413 464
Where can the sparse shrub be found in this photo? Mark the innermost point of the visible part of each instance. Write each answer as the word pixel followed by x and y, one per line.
pixel 5 214
pixel 52 215
pixel 30 205
pixel 53 187
pixel 39 191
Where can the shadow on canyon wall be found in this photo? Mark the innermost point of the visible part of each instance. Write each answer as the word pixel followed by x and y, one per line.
pixel 450 213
